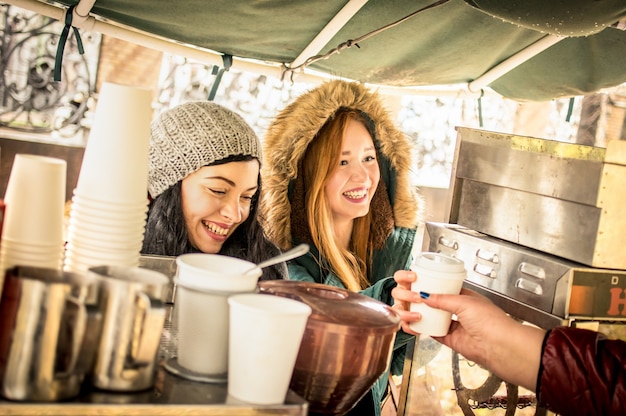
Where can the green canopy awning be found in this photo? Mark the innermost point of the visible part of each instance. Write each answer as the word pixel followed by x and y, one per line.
pixel 451 42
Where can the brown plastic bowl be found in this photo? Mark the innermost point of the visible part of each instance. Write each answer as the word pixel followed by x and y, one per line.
pixel 346 347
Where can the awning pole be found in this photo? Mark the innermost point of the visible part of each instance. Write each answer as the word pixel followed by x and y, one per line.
pixel 81 12
pixel 209 57
pixel 513 62
pixel 325 35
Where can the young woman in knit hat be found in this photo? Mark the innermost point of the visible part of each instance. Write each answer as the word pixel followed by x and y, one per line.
pixel 336 176
pixel 204 185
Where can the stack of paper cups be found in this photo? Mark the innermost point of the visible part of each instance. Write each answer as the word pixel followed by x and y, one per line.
pixel 32 232
pixel 109 204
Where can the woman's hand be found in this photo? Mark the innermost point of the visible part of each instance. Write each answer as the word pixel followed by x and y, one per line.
pixel 403 297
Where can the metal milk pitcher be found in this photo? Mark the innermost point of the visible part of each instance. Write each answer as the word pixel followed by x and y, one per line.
pixel 133 314
pixel 49 327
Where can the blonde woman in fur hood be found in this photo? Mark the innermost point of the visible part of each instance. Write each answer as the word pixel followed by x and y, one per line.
pixel 337 176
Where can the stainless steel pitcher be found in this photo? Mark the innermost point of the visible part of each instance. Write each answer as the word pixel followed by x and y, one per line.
pixel 49 327
pixel 133 314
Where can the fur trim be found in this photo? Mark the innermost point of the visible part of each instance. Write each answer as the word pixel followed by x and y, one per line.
pixel 289 135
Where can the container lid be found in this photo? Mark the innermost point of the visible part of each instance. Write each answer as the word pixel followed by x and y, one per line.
pixel 336 306
pixel 439 262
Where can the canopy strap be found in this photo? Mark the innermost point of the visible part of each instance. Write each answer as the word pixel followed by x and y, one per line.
pixel 570 109
pixel 58 61
pixel 228 62
pixel 480 108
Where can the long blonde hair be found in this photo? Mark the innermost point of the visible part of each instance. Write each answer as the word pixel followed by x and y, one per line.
pixel 321 157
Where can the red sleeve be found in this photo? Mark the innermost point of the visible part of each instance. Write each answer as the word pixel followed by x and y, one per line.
pixel 582 373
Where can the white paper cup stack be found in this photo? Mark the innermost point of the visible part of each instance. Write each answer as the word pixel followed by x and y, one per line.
pixel 110 202
pixel 32 233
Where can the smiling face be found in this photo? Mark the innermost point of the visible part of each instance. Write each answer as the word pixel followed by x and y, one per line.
pixel 353 181
pixel 216 200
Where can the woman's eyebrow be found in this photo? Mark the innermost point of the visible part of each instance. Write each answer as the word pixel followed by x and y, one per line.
pixel 230 182
pixel 367 149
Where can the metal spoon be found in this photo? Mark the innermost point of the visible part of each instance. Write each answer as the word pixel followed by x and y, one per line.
pixel 297 251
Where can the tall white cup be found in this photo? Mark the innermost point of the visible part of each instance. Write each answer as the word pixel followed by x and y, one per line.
pixel 265 336
pixel 436 273
pixel 203 284
pixel 115 162
pixel 35 200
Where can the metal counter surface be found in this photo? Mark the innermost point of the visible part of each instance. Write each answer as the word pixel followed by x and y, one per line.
pixel 171 394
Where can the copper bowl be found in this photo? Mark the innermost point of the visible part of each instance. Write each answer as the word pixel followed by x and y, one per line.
pixel 346 347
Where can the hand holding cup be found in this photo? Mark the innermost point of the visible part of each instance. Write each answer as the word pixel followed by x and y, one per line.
pixel 436 273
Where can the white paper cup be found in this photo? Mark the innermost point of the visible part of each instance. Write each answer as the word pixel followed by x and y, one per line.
pixel 108 205
pixel 216 272
pixel 436 273
pixel 115 162
pixel 202 323
pixel 114 231
pixel 105 212
pixel 24 255
pixel 115 257
pixel 265 336
pixel 10 258
pixel 35 200
pixel 203 284
pixel 32 247
pixel 113 242
pixel 119 230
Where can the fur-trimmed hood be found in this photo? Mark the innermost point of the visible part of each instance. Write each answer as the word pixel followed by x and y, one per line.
pixel 294 128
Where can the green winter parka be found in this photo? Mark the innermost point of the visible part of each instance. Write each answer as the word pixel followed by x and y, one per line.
pixel 285 144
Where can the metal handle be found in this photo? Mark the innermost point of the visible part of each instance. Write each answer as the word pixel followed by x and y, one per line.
pixel 448 243
pixel 78 325
pixel 147 328
pixel 487 255
pixel 528 286
pixel 485 270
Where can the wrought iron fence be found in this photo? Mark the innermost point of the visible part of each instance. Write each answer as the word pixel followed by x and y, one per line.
pixel 30 100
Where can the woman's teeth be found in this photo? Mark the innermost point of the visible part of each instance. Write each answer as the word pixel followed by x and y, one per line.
pixel 355 194
pixel 215 229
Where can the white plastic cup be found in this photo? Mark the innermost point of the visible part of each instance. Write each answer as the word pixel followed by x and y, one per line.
pixel 12 258
pixel 265 336
pixel 107 226
pixel 31 247
pixel 113 206
pixel 104 215
pixel 115 257
pixel 203 284
pixel 216 272
pixel 436 273
pixel 115 162
pixel 25 254
pixel 86 238
pixel 35 200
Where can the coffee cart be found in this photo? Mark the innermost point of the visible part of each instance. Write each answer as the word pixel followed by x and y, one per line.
pixel 539 225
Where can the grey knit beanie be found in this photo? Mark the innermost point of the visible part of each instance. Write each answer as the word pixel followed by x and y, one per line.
pixel 192 135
